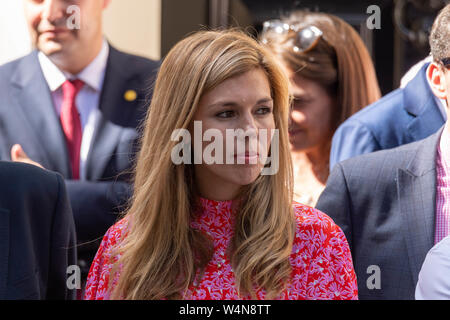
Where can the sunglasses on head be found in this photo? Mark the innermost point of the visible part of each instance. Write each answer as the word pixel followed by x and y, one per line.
pixel 445 62
pixel 306 38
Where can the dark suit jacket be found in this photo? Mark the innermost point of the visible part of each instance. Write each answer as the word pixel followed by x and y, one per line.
pixel 405 115
pixel 37 234
pixel 28 117
pixel 385 203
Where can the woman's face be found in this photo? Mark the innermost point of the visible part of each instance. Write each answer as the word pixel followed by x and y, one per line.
pixel 310 117
pixel 243 102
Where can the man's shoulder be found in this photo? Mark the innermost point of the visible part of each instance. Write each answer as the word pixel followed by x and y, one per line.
pixel 8 68
pixel 391 158
pixel 397 108
pixel 381 111
pixel 133 62
pixel 442 248
pixel 19 176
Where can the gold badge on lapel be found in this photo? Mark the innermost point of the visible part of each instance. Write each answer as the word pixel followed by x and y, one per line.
pixel 130 95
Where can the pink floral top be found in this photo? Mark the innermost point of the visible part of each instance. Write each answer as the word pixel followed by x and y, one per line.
pixel 321 261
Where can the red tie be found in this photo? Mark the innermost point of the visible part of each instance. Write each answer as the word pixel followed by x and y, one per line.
pixel 71 124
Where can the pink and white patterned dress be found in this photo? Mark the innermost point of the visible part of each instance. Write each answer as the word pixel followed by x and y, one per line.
pixel 321 261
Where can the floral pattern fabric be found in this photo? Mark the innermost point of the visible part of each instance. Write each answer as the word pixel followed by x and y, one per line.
pixel 321 261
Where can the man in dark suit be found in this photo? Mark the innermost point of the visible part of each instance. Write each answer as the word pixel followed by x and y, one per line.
pixel 37 234
pixel 391 204
pixel 405 115
pixel 73 106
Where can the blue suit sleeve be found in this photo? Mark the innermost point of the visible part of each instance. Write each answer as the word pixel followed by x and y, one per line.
pixel 351 139
pixel 96 205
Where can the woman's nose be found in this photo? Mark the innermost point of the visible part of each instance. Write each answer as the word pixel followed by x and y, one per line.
pixel 296 117
pixel 248 122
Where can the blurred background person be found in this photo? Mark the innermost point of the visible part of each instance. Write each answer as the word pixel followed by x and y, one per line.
pixel 434 276
pixel 331 77
pixel 410 112
pixel 220 230
pixel 37 234
pixel 405 115
pixel 73 106
pixel 393 205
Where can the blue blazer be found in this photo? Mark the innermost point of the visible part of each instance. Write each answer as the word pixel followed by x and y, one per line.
pixel 37 234
pixel 403 116
pixel 28 117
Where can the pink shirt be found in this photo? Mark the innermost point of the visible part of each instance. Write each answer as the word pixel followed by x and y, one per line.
pixel 443 187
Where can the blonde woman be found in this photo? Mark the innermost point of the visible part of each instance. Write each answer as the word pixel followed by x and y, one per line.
pixel 206 230
pixel 331 77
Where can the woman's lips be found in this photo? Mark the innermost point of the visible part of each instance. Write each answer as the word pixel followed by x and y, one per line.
pixel 247 157
pixel 293 132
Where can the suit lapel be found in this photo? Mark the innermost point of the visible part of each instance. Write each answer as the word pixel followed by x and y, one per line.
pixel 426 123
pixel 4 251
pixel 31 92
pixel 420 102
pixel 416 188
pixel 111 117
pixel 103 144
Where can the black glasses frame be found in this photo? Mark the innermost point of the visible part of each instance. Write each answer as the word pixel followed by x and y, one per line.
pixel 445 62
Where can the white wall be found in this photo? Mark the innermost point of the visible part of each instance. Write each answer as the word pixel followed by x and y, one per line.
pixel 14 37
pixel 131 25
pixel 135 26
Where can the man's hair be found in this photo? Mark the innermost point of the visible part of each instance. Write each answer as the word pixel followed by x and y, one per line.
pixel 440 35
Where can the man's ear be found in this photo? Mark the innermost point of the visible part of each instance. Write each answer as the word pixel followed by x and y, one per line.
pixel 436 79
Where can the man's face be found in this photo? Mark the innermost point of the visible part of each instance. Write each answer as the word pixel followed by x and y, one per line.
pixel 59 26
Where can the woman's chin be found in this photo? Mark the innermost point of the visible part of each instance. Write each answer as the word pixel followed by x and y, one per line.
pixel 245 174
pixel 298 147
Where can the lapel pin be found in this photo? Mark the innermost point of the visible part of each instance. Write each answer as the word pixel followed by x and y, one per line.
pixel 130 95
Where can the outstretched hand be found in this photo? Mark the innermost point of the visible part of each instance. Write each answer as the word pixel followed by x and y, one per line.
pixel 19 155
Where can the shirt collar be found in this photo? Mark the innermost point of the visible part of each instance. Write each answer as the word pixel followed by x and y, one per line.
pixel 444 144
pixel 92 75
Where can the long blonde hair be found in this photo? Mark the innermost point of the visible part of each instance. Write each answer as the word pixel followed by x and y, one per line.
pixel 161 254
pixel 340 61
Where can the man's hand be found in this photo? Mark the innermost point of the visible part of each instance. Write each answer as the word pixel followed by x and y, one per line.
pixel 18 155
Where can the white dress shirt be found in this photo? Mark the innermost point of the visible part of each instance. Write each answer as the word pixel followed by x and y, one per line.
pixel 434 277
pixel 88 99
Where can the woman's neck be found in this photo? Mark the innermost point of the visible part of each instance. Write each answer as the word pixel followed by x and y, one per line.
pixel 212 188
pixel 312 164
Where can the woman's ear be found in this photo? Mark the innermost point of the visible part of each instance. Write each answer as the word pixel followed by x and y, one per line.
pixel 437 81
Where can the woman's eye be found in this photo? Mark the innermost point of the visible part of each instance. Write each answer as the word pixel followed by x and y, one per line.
pixel 298 103
pixel 225 114
pixel 264 110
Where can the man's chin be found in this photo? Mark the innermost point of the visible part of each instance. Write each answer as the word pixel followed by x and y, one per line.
pixel 50 48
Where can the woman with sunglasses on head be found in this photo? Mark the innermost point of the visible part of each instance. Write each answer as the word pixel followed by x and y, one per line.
pixel 219 230
pixel 331 77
